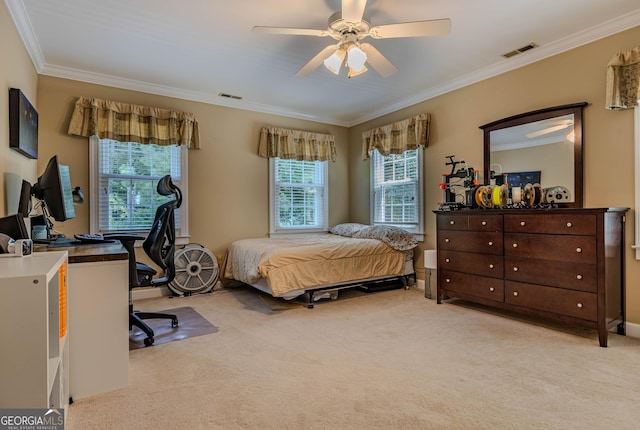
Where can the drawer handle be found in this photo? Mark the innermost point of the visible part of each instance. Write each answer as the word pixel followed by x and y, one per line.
pixel 446 260
pixel 515 245
pixel 515 269
pixel 580 305
pixel 492 289
pixel 579 277
pixel 452 222
pixel 515 293
pixel 484 223
pixel 447 280
pixel 569 225
pixel 522 223
pixel 490 243
pixel 578 250
pixel 490 266
pixel 447 240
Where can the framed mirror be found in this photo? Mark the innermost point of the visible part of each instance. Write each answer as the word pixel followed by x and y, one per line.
pixel 543 146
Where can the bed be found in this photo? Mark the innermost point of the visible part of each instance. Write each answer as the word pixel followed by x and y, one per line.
pixel 320 264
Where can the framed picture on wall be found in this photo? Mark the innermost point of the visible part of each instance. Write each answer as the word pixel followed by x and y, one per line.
pixel 23 124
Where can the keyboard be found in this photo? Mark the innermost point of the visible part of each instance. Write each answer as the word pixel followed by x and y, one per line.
pixel 91 238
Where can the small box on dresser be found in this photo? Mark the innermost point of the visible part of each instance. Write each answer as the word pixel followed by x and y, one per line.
pixel 566 265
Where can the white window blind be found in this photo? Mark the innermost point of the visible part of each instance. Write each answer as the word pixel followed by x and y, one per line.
pixel 397 190
pixel 298 195
pixel 126 179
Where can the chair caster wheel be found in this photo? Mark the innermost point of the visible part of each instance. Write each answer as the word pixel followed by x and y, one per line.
pixel 174 323
pixel 148 341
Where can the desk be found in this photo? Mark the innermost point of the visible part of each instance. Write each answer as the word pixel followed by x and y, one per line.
pixel 98 301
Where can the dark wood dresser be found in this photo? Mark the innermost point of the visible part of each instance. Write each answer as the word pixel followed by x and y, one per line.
pixel 566 265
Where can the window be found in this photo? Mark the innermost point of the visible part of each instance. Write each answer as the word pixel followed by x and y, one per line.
pixel 298 195
pixel 396 190
pixel 124 176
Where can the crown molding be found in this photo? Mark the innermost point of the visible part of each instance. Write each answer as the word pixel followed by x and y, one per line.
pixel 25 30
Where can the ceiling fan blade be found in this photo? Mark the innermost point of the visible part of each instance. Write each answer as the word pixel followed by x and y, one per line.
pixel 316 61
pixel 290 31
pixel 548 130
pixel 434 27
pixel 352 10
pixel 378 61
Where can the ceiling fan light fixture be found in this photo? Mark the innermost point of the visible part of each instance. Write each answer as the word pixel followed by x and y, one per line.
pixel 334 62
pixel 356 58
pixel 353 72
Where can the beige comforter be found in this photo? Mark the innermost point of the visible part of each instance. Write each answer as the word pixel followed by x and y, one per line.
pixel 295 263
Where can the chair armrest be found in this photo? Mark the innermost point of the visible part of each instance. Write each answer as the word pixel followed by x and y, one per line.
pixel 123 237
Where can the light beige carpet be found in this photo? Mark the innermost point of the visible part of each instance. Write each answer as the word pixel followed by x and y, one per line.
pixel 386 360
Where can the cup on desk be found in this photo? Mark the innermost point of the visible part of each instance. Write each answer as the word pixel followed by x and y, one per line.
pixel 39 232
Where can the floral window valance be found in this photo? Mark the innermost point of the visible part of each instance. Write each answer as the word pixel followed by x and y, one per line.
pixel 296 145
pixel 623 80
pixel 397 137
pixel 133 123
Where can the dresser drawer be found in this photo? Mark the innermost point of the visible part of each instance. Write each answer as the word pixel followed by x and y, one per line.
pixel 576 304
pixel 550 224
pixel 525 223
pixel 572 249
pixel 453 222
pixel 573 276
pixel 473 285
pixel 477 264
pixel 570 224
pixel 466 241
pixel 485 222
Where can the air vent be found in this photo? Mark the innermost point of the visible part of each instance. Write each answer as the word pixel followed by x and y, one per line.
pixel 230 96
pixel 520 50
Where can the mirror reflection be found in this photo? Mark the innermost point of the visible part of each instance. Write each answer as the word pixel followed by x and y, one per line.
pixel 543 146
pixel 540 151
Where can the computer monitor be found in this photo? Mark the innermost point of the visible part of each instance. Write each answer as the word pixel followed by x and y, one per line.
pixel 24 204
pixel 54 189
pixel 14 227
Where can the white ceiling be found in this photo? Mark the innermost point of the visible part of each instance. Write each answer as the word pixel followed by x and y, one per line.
pixel 196 49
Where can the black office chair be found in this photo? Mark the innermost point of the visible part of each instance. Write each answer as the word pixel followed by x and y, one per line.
pixel 159 245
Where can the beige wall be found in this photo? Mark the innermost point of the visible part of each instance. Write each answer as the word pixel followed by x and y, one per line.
pixel 574 76
pixel 16 71
pixel 228 182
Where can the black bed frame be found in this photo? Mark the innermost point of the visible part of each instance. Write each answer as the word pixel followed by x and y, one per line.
pixel 368 286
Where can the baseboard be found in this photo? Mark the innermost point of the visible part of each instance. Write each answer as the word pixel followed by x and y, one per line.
pixel 632 330
pixel 148 293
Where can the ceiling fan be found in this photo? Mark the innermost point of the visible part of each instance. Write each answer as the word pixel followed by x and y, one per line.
pixel 349 26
